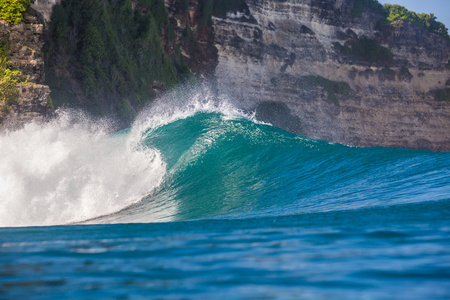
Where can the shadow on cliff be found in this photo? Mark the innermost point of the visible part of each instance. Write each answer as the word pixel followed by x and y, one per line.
pixel 279 115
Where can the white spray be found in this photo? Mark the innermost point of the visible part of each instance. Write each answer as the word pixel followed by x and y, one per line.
pixel 70 170
pixel 73 169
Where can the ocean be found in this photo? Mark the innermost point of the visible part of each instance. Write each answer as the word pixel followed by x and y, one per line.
pixel 199 200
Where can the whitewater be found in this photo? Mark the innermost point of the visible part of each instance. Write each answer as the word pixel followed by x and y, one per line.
pixel 198 199
pixel 75 169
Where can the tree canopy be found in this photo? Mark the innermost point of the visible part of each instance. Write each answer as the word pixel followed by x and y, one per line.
pixel 397 13
pixel 11 10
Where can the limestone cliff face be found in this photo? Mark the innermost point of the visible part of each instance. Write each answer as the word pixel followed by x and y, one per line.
pixel 282 59
pixel 193 35
pixel 287 60
pixel 25 43
pixel 32 105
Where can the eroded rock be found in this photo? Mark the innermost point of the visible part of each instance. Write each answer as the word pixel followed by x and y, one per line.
pixel 389 104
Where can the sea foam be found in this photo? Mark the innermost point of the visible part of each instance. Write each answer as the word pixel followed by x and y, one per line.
pixel 72 169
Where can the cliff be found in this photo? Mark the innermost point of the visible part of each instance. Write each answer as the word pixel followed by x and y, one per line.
pixel 23 45
pixel 113 57
pixel 328 69
pixel 294 62
pixel 108 58
pixel 194 37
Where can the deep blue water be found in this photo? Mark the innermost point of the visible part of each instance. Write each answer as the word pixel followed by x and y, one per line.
pixel 227 208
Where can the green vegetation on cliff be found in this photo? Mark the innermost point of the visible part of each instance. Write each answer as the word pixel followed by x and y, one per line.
pixel 219 8
pixel 9 81
pixel 395 14
pixel 332 88
pixel 371 4
pixel 104 55
pixel 158 11
pixel 365 49
pixel 388 71
pixel 442 95
pixel 11 10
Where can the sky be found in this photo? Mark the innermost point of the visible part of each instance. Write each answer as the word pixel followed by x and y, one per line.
pixel 440 8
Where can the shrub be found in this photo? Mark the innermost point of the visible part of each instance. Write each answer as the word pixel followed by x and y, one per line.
pixel 397 13
pixel 180 64
pixel 404 71
pixel 207 9
pixel 442 95
pixel 368 49
pixel 356 11
pixel 365 49
pixel 218 8
pixel 188 35
pixel 404 74
pixel 331 87
pixel 11 10
pixel 358 5
pixel 221 7
pixel 158 10
pixel 9 80
pixel 387 71
pixel 50 103
pixel 59 22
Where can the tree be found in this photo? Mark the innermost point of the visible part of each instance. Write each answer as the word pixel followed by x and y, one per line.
pixel 11 10
pixel 397 13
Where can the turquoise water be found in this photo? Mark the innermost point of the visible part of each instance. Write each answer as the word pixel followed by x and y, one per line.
pixel 206 203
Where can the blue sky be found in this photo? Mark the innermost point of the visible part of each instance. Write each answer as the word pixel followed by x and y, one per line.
pixel 440 8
